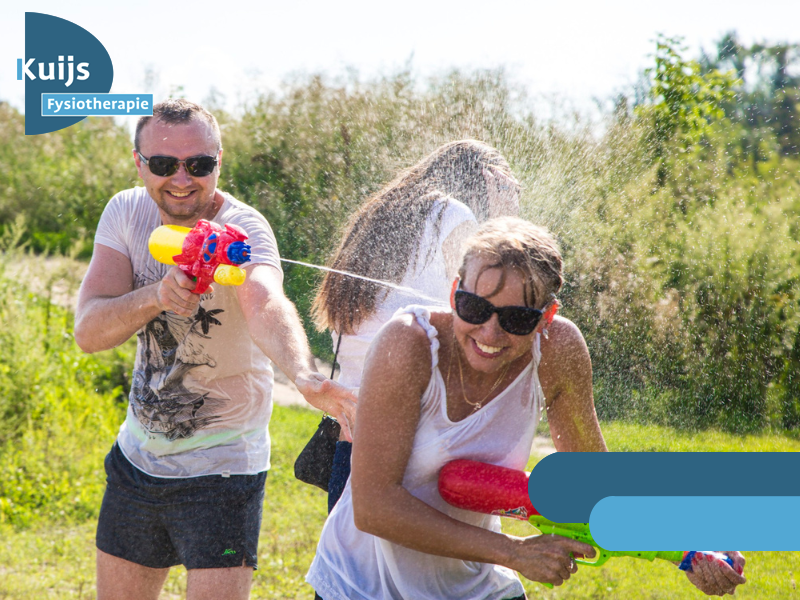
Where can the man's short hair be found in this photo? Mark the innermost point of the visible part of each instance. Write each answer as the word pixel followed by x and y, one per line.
pixel 176 111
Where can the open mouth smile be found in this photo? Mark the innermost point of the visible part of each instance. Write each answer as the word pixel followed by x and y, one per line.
pixel 485 350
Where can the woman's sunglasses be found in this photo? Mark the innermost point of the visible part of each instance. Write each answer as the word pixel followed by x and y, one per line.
pixel 516 320
pixel 167 166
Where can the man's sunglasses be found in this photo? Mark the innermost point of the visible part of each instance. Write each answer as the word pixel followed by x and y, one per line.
pixel 167 166
pixel 516 320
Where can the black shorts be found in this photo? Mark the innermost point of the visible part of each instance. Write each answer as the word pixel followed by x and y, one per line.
pixel 200 522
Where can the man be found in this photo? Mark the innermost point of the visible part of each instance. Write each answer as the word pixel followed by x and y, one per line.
pixel 186 476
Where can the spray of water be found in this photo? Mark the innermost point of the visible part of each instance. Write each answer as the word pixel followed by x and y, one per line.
pixel 387 284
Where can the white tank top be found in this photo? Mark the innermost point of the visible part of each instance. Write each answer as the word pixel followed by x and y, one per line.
pixel 353 565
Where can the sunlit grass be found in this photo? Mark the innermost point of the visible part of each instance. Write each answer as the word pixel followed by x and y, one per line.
pixel 57 561
pixel 627 437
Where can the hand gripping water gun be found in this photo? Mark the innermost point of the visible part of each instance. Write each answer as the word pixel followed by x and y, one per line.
pixel 207 252
pixel 493 490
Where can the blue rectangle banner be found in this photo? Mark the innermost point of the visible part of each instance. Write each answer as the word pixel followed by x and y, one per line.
pixel 96 105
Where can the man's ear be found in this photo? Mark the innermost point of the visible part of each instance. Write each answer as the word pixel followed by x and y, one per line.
pixel 453 293
pixel 138 163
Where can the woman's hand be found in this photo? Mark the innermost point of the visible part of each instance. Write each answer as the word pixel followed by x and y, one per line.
pixel 547 558
pixel 715 577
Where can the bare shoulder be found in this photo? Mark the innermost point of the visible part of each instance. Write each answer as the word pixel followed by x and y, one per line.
pixel 399 358
pixel 565 341
pixel 403 332
pixel 565 357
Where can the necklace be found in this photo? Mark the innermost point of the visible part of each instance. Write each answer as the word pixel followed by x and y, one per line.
pixel 476 405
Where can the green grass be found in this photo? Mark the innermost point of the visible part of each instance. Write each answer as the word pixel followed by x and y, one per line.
pixel 627 437
pixel 56 561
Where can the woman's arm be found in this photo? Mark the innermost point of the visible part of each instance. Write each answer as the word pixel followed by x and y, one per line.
pixel 565 373
pixel 396 374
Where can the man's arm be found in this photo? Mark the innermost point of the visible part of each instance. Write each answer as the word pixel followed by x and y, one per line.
pixel 565 373
pixel 110 311
pixel 276 328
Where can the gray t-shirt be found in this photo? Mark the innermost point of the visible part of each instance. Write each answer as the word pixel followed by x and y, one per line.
pixel 201 395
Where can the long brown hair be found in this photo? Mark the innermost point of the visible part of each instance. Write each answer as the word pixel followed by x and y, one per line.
pixel 381 241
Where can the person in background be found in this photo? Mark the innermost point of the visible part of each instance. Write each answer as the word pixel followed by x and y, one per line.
pixel 409 234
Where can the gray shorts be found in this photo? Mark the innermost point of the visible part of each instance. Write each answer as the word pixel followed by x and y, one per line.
pixel 200 522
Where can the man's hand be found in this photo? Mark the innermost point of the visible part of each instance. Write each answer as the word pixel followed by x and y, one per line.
pixel 715 577
pixel 175 293
pixel 330 397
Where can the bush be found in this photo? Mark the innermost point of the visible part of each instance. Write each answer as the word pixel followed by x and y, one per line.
pixel 59 410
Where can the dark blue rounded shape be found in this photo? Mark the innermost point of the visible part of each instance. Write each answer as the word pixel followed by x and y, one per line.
pixel 239 253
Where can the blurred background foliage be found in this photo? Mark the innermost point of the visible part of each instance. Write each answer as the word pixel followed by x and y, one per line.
pixel 678 214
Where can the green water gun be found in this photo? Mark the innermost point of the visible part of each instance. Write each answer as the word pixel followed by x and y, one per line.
pixel 581 533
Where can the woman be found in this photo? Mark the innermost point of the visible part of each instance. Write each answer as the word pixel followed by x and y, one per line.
pixel 408 234
pixel 442 385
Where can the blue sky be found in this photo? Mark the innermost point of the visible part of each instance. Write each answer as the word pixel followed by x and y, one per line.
pixel 574 51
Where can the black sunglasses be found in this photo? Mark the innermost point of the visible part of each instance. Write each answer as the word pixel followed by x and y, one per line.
pixel 516 320
pixel 167 166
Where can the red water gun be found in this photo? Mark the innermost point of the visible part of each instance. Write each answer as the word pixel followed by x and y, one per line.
pixel 487 489
pixel 207 253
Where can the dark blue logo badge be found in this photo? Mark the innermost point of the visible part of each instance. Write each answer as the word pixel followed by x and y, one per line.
pixel 60 58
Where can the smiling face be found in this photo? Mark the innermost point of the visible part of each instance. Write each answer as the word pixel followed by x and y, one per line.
pixel 181 198
pixel 488 347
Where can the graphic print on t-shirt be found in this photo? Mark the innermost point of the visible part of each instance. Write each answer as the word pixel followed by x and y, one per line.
pixel 170 346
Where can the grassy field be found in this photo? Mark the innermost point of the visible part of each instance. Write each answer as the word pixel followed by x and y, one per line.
pixel 57 561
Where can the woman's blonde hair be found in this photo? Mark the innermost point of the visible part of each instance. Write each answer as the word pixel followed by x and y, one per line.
pixel 512 243
pixel 381 241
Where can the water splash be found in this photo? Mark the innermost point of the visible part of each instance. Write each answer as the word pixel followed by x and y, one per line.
pixel 394 286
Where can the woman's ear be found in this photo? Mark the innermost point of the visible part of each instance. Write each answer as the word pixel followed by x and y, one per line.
pixel 453 293
pixel 550 313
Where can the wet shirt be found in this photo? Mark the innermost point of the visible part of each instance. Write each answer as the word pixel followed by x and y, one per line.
pixel 425 283
pixel 353 565
pixel 201 392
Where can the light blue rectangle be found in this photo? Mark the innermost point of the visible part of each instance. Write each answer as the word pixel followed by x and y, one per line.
pixel 19 69
pixel 96 105
pixel 755 523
